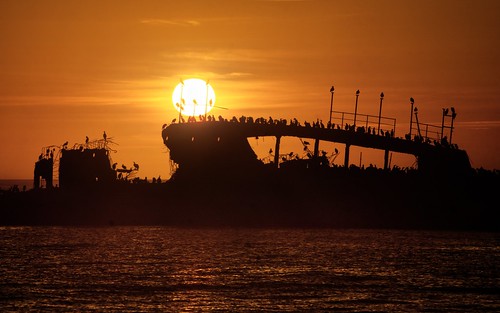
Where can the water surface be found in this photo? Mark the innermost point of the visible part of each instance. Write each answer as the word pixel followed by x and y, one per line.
pixel 146 269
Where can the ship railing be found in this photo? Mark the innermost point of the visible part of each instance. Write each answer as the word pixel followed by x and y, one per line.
pixel 428 132
pixel 375 122
pixel 95 144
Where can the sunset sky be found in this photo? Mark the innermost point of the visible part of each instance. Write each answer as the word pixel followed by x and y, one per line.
pixel 70 69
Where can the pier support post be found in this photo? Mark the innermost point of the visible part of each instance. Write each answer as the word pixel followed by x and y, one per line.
pixel 316 148
pixel 346 158
pixel 277 152
pixel 386 159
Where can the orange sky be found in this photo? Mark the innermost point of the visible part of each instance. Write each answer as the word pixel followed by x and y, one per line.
pixel 70 69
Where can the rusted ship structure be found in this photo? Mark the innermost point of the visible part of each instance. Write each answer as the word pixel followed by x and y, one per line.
pixel 79 166
pixel 222 145
pixel 219 180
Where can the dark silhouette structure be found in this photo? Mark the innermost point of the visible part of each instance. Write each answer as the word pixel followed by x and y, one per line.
pixel 43 170
pixel 224 146
pixel 219 180
pixel 79 168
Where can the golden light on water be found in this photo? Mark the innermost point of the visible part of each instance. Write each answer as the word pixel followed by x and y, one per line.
pixel 193 97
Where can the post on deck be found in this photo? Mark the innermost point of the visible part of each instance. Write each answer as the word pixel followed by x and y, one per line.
pixel 316 148
pixel 346 159
pixel 386 159
pixel 277 152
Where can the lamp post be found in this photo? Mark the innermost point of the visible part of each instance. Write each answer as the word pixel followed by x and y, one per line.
pixel 331 103
pixel 380 112
pixel 411 115
pixel 418 125
pixel 356 108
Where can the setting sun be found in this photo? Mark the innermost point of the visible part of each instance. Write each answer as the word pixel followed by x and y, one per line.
pixel 193 97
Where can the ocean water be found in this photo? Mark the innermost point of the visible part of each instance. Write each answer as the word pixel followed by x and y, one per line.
pixel 160 269
pixel 6 184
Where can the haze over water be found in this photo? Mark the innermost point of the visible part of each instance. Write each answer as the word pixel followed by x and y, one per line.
pixel 144 269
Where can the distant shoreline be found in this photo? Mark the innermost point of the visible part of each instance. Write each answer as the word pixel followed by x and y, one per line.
pixel 8 183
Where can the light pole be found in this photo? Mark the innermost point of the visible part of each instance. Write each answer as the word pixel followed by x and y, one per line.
pixel 331 103
pixel 380 112
pixel 411 115
pixel 356 108
pixel 418 125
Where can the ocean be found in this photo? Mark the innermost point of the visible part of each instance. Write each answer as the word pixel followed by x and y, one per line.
pixel 162 269
pixel 6 184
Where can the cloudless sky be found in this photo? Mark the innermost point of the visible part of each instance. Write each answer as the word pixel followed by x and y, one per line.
pixel 70 69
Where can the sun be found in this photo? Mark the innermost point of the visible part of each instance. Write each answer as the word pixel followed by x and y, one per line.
pixel 193 97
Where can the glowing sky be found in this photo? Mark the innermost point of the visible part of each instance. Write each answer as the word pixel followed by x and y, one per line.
pixel 70 69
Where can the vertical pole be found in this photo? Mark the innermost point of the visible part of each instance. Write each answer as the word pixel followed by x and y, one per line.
pixel 386 159
pixel 442 123
pixel 346 158
pixel 411 115
pixel 206 103
pixel 451 129
pixel 277 152
pixel 418 125
pixel 331 103
pixel 316 148
pixel 356 108
pixel 453 115
pixel 181 105
pixel 380 112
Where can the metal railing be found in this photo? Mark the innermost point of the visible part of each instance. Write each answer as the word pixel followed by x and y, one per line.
pixel 364 120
